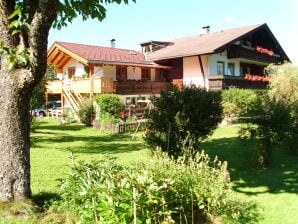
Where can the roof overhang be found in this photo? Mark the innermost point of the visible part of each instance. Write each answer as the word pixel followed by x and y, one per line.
pixel 90 62
pixel 59 56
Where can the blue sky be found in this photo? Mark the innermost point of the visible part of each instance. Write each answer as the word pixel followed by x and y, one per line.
pixel 165 20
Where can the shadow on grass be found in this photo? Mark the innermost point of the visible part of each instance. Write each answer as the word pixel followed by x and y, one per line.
pixel 281 176
pixel 68 127
pixel 108 143
pixel 44 199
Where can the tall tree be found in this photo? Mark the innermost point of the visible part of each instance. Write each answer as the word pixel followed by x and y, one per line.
pixel 24 29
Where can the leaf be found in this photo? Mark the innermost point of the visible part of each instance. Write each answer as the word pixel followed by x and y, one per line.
pixel 15 32
pixel 15 23
pixel 17 11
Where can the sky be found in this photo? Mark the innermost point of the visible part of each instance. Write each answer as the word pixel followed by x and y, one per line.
pixel 164 20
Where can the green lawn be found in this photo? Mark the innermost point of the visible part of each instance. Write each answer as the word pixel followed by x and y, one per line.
pixel 273 189
pixel 53 146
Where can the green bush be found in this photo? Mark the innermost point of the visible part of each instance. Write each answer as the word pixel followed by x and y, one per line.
pixel 271 122
pixel 161 190
pixel 34 124
pixel 237 102
pixel 109 103
pixel 190 112
pixel 86 113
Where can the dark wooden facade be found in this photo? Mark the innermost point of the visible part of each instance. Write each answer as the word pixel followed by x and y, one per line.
pixel 245 52
pixel 217 82
pixel 139 87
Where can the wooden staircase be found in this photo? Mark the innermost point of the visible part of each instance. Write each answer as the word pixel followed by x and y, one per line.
pixel 73 98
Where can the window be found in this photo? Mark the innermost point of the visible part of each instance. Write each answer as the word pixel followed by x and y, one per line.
pixel 220 68
pixel 121 73
pixel 71 72
pixel 160 75
pixel 231 69
pixel 146 74
pixel 147 48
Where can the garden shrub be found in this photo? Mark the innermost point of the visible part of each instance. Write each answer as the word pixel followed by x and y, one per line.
pixel 190 112
pixel 109 103
pixel 161 190
pixel 284 89
pixel 237 102
pixel 86 112
pixel 270 123
pixel 34 124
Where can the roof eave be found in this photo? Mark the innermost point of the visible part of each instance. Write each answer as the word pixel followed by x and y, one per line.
pixel 134 64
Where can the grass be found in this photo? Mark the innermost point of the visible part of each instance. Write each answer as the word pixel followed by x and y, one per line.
pixel 53 146
pixel 274 189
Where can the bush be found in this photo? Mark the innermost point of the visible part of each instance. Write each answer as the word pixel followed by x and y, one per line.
pixel 109 103
pixel 161 190
pixel 34 124
pixel 86 113
pixel 271 123
pixel 237 102
pixel 284 89
pixel 191 113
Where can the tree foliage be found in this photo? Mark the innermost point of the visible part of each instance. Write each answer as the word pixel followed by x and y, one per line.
pixel 188 114
pixel 284 83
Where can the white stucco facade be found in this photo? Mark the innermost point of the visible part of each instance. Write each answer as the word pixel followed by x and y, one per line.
pixel 192 71
pixel 222 57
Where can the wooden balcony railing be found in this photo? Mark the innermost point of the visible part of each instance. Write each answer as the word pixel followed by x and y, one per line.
pixel 224 82
pixel 236 51
pixel 99 85
pixel 137 87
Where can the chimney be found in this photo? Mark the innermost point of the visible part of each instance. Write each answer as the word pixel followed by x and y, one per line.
pixel 113 43
pixel 206 29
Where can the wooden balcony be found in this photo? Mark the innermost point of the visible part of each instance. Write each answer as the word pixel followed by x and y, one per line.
pixel 238 51
pixel 139 87
pixel 217 82
pixel 98 85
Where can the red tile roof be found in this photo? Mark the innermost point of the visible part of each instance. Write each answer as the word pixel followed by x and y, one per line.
pixel 201 44
pixel 99 54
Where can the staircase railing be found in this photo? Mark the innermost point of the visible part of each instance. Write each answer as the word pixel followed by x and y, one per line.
pixel 73 98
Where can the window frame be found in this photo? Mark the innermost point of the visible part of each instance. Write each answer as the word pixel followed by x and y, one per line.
pixel 146 74
pixel 232 73
pixel 121 73
pixel 222 63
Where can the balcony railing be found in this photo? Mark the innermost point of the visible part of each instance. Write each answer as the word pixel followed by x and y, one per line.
pixel 224 82
pixel 99 85
pixel 140 87
pixel 236 51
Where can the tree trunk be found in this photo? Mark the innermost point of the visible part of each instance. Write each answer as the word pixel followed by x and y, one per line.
pixel 14 135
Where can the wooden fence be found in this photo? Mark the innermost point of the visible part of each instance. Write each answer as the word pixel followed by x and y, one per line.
pixel 121 128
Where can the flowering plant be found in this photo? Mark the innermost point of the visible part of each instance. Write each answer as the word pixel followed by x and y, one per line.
pixel 264 50
pixel 260 78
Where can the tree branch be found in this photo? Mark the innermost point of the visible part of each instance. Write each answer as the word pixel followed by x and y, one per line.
pixel 6 8
pixel 42 20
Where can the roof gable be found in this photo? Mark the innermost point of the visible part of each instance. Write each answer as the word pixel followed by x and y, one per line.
pixel 209 43
pixel 87 54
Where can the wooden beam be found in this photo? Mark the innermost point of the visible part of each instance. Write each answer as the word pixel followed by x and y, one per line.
pixel 91 77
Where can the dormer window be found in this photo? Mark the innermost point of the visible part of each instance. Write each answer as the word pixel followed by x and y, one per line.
pixel 147 48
